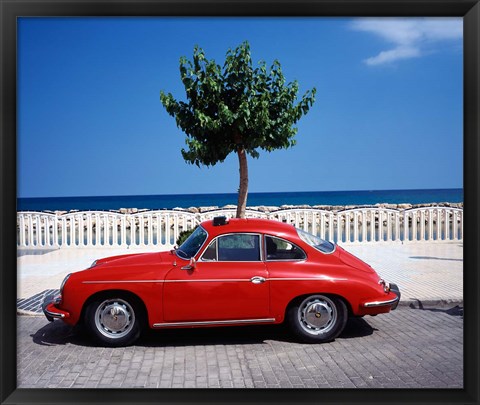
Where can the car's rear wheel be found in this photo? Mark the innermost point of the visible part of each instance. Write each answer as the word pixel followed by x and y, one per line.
pixel 317 318
pixel 114 321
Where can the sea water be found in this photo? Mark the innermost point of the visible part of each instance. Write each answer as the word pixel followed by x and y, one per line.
pixel 169 201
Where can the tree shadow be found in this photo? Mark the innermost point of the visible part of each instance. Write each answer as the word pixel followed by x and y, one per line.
pixel 57 333
pixel 456 310
pixel 34 252
pixel 435 258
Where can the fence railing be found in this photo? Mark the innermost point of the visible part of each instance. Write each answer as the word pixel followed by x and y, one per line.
pixel 38 230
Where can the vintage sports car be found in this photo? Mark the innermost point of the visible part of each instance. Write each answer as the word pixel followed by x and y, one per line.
pixel 228 272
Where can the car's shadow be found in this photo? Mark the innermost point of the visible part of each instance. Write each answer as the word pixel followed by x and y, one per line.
pixel 58 333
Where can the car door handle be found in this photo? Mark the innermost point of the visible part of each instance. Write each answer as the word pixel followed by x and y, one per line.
pixel 257 280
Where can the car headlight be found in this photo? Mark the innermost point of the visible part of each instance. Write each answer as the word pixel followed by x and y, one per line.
pixel 63 282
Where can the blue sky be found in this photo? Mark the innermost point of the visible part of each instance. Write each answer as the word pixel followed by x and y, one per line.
pixel 388 111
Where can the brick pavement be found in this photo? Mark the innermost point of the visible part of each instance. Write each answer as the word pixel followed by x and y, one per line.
pixel 408 348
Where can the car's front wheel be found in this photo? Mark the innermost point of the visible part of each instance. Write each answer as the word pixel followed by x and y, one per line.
pixel 114 321
pixel 317 318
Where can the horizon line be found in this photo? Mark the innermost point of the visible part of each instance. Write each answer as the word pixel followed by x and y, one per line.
pixel 251 192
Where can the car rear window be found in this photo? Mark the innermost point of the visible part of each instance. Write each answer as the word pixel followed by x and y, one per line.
pixel 320 244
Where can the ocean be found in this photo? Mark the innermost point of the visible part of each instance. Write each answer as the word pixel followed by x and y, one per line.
pixel 169 201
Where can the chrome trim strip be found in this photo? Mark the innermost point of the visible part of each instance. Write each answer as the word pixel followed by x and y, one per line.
pixel 209 280
pixel 169 281
pixel 380 303
pixel 121 281
pixel 321 278
pixel 217 280
pixel 202 323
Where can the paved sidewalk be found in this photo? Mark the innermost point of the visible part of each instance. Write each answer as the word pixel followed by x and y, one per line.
pixel 407 348
pixel 427 273
pixel 39 272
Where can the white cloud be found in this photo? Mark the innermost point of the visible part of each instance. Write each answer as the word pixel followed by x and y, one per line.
pixel 393 55
pixel 410 37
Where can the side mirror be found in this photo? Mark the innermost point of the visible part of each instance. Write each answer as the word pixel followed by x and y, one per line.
pixel 191 265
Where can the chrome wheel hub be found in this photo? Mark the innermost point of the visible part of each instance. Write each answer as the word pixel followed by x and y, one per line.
pixel 317 315
pixel 114 318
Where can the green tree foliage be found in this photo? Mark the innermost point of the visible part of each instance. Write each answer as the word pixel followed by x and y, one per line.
pixel 235 108
pixel 182 237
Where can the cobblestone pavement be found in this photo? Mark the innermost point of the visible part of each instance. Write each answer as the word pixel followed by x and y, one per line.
pixel 408 348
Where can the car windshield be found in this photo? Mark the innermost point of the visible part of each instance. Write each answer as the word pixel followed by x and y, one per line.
pixel 192 244
pixel 318 243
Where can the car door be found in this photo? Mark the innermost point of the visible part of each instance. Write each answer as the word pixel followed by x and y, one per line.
pixel 228 283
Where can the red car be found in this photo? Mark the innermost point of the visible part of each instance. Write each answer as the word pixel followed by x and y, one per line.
pixel 228 272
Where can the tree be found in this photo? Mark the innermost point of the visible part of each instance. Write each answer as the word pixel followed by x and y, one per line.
pixel 235 109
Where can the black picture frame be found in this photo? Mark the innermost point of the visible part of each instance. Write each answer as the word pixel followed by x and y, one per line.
pixel 10 10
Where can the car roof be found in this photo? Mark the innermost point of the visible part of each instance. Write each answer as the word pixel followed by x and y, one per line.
pixel 256 225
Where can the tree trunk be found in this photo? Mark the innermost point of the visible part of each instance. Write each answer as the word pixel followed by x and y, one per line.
pixel 243 189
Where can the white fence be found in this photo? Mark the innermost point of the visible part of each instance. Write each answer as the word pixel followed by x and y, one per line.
pixel 39 230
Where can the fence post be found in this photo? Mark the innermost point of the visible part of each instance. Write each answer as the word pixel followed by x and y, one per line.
pixel 37 230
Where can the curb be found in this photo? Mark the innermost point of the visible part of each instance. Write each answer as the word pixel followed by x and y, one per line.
pixel 24 312
pixel 431 303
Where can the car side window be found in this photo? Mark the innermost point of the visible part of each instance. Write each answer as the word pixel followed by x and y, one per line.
pixel 280 249
pixel 210 253
pixel 236 248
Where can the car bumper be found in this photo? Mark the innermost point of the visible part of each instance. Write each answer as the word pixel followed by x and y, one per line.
pixel 51 310
pixel 391 302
